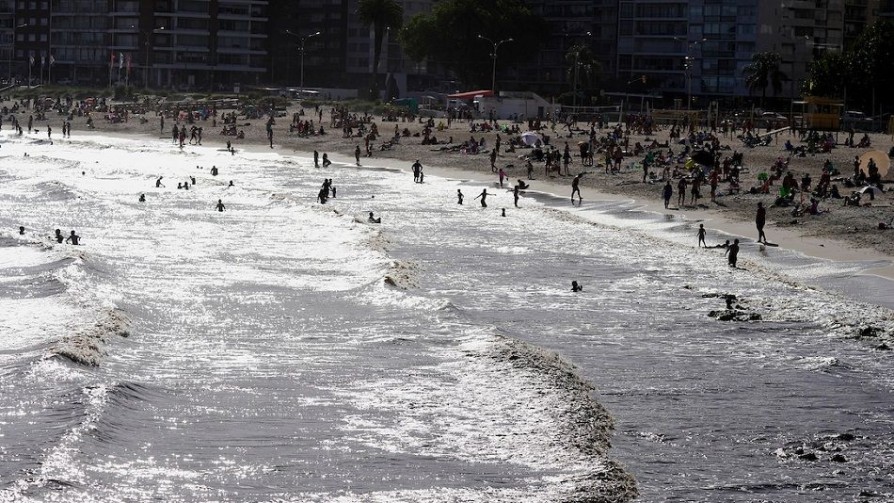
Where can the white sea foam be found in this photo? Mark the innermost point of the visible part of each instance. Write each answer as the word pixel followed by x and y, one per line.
pixel 283 349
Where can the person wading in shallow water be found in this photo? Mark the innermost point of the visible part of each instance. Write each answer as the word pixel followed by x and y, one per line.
pixel 760 219
pixel 73 238
pixel 733 253
pixel 483 197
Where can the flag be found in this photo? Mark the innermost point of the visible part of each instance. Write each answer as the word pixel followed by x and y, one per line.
pixel 112 62
pixel 120 60
pixel 43 61
pixel 52 60
pixel 128 63
pixel 31 60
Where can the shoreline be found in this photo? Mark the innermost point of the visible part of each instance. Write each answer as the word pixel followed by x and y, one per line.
pixel 811 240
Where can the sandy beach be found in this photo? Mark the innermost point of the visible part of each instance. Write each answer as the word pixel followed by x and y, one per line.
pixel 839 232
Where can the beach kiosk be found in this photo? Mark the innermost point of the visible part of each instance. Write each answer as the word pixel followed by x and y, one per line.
pixel 818 113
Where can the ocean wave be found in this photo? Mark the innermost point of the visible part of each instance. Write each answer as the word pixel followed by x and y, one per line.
pixel 53 192
pixel 402 274
pixel 31 287
pixel 87 346
pixel 584 422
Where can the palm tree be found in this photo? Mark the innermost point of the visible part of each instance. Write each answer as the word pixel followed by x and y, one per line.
pixel 763 72
pixel 582 65
pixel 382 15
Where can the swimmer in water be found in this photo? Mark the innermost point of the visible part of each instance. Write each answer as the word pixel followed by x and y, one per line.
pixel 220 205
pixel 73 238
pixel 59 237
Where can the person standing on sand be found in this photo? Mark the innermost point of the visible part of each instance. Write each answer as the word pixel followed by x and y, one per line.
pixel 701 235
pixel 668 193
pixel 681 192
pixel 515 195
pixel 459 196
pixel 357 154
pixel 483 197
pixel 575 188
pixel 502 176
pixel 760 219
pixel 732 253
pixel 316 159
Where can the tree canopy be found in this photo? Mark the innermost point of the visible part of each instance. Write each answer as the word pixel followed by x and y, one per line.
pixel 448 36
pixel 859 73
pixel 380 15
pixel 583 71
pixel 763 72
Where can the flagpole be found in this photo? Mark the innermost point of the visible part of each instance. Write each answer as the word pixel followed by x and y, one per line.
pixel 30 64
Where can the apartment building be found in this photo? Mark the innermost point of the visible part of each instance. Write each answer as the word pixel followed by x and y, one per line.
pixel 798 30
pixel 293 26
pixel 7 38
pixel 858 14
pixel 590 23
pixel 178 44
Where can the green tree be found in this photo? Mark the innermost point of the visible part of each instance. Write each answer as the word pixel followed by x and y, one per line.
pixel 448 36
pixel 381 15
pixel 828 75
pixel 583 69
pixel 871 67
pixel 763 72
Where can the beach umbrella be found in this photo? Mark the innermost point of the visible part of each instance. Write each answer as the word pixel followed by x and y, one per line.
pixel 530 138
pixel 703 157
pixel 881 160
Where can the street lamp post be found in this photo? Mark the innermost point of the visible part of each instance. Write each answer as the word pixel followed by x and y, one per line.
pixel 303 39
pixel 493 74
pixel 148 44
pixel 146 66
pixel 576 72
pixel 11 49
pixel 687 68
